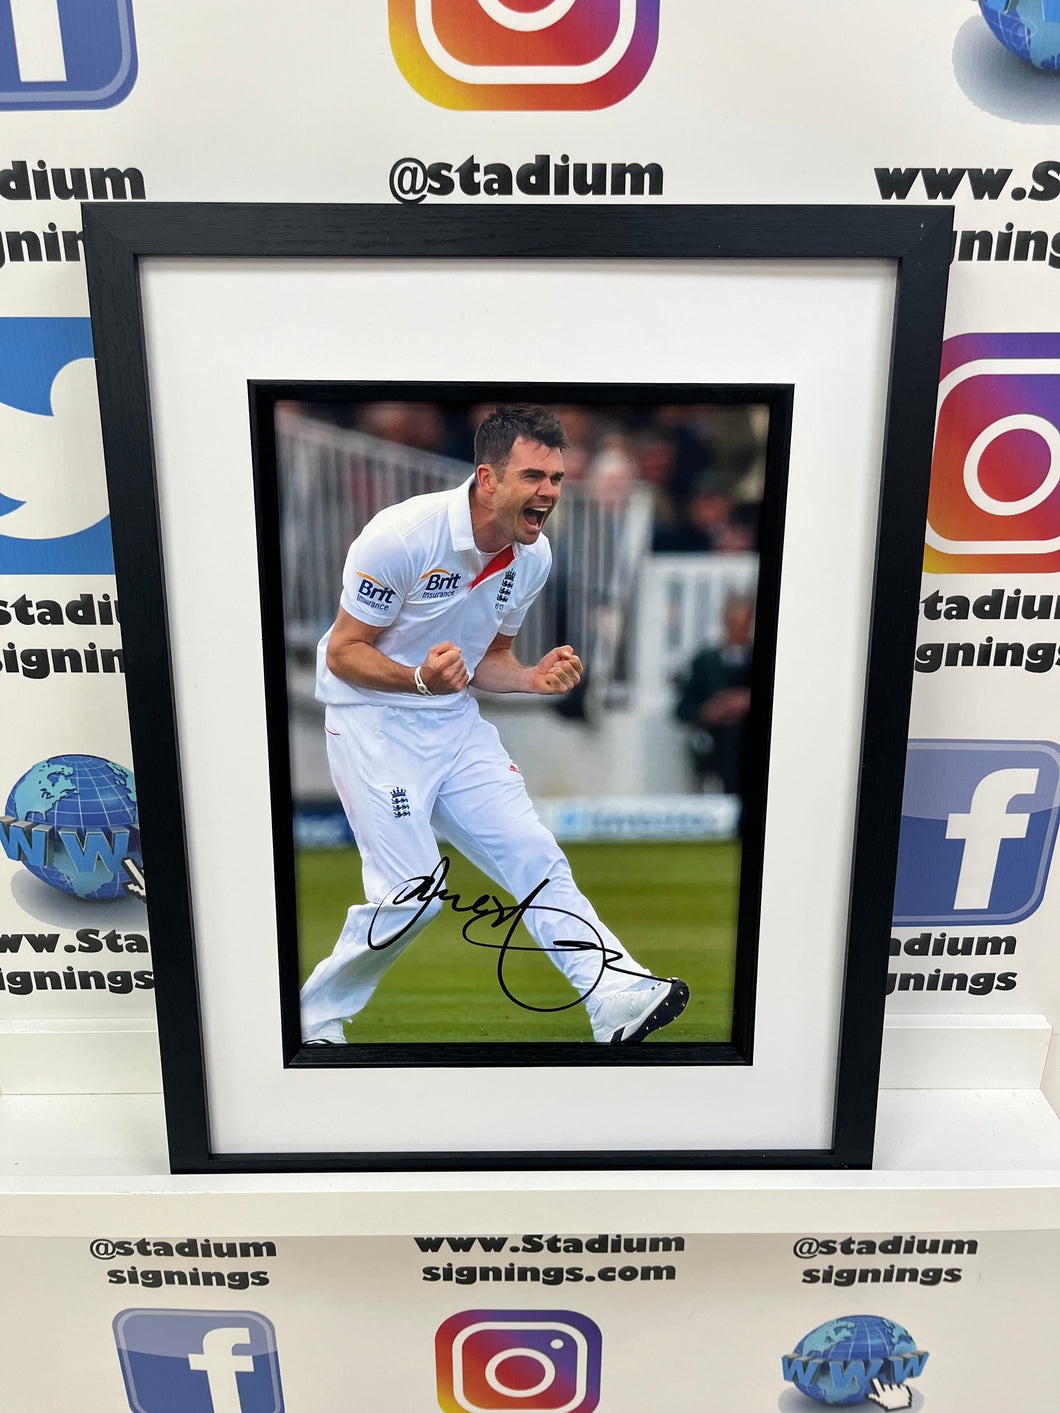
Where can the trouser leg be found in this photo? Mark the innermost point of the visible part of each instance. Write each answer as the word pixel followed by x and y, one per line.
pixel 484 809
pixel 387 779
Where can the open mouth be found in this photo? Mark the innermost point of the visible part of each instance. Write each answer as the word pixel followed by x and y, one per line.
pixel 535 516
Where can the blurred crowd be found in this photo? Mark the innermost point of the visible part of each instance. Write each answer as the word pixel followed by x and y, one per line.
pixel 714 698
pixel 705 462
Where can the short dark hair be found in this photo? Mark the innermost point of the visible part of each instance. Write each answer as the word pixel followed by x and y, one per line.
pixel 502 429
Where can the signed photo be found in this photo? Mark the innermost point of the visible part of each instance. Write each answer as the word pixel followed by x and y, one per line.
pixel 523 715
pixel 534 770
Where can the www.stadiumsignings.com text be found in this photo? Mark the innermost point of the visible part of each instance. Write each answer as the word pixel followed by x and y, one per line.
pixel 603 1243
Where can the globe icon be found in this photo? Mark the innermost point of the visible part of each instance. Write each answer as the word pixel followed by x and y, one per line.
pixel 1029 28
pixel 837 1362
pixel 89 807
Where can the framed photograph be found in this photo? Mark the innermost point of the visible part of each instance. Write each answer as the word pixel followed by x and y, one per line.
pixel 671 499
pixel 518 610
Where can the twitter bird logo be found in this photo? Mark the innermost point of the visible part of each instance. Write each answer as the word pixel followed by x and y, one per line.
pixel 53 495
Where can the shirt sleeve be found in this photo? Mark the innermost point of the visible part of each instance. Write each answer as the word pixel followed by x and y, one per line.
pixel 375 579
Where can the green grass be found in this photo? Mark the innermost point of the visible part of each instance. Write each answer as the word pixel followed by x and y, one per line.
pixel 673 906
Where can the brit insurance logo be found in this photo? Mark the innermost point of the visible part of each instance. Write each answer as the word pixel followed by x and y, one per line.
pixel 979 822
pixel 198 1361
pixel 526 55
pixel 66 53
pixel 374 595
pixel 439 583
pixel 53 498
pixel 994 504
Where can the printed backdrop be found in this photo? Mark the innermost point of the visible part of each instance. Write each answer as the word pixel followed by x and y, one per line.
pixel 192 1323
pixel 485 101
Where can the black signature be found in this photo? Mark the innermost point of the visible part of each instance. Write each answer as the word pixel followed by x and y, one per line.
pixel 487 909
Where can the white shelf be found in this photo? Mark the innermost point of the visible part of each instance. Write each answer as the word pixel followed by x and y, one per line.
pixel 942 1138
pixel 950 1158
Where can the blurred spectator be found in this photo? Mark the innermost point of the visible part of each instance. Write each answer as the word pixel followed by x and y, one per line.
pixel 705 524
pixel 687 427
pixel 580 427
pixel 734 437
pixel 612 472
pixel 655 454
pixel 416 424
pixel 741 533
pixel 715 699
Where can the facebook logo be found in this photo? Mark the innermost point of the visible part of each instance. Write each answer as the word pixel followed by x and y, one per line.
pixel 198 1361
pixel 979 821
pixel 66 53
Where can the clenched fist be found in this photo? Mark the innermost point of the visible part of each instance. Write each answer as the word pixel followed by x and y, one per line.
pixel 557 672
pixel 443 671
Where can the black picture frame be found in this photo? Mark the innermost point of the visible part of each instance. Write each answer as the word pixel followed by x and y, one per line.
pixel 120 239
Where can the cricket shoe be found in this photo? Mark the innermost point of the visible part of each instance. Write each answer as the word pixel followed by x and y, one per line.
pixel 627 1017
pixel 330 1033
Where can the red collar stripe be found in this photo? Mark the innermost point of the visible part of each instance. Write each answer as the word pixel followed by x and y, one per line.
pixel 496 564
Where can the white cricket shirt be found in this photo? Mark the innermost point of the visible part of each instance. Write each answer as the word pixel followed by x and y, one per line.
pixel 415 572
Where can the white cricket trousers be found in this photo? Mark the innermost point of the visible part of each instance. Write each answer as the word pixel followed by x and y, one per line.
pixel 398 770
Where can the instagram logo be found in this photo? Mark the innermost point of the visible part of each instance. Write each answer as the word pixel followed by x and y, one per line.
pixel 524 54
pixel 491 1361
pixel 994 504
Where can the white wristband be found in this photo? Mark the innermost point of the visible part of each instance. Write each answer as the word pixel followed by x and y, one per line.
pixel 421 685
